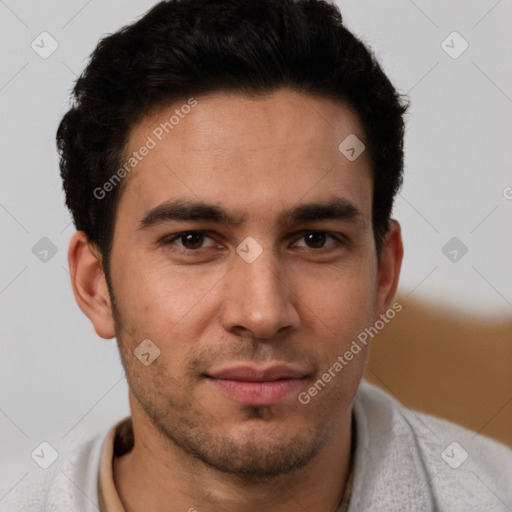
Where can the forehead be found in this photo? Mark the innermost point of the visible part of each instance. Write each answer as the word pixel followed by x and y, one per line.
pixel 257 154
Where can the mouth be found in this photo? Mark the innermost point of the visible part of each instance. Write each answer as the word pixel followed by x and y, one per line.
pixel 258 386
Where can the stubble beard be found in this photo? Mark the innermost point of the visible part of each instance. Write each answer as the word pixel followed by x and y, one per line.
pixel 188 427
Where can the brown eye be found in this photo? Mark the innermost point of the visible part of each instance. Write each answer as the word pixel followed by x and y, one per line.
pixel 188 240
pixel 318 239
pixel 315 239
pixel 192 240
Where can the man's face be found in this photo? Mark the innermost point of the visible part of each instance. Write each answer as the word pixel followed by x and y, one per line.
pixel 221 317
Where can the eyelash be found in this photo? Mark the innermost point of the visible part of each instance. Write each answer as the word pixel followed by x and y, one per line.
pixel 340 241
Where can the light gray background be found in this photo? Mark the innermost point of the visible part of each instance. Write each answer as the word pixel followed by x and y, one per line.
pixel 59 381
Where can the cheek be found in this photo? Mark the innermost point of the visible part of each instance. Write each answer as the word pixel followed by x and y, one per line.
pixel 170 307
pixel 341 294
pixel 158 295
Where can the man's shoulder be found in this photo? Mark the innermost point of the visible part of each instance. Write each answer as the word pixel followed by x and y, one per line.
pixel 458 458
pixel 459 466
pixel 69 483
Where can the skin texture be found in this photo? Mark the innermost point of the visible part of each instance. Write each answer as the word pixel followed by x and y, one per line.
pixel 300 302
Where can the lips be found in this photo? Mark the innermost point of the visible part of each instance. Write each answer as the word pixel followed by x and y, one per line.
pixel 248 373
pixel 258 386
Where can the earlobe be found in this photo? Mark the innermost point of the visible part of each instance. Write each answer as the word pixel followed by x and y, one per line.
pixel 89 284
pixel 389 267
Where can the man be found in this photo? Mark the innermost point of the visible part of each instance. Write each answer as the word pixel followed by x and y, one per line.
pixel 230 167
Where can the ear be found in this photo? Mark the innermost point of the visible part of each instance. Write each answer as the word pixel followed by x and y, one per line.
pixel 89 284
pixel 389 268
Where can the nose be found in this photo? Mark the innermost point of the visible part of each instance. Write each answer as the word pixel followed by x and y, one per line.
pixel 259 302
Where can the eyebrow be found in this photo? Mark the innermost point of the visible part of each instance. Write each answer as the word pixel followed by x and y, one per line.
pixel 187 210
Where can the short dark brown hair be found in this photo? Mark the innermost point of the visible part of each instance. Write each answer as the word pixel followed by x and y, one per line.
pixel 185 48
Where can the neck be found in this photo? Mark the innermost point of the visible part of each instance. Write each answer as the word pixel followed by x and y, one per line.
pixel 156 474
